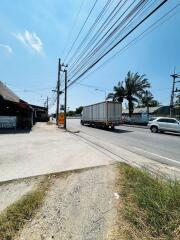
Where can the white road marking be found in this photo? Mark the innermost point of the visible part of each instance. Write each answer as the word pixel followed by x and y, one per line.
pixel 172 160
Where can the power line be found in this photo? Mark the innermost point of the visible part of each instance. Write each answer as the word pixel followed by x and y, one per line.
pixel 90 31
pixel 81 30
pixel 139 37
pixel 74 24
pixel 100 31
pixel 94 51
pixel 115 45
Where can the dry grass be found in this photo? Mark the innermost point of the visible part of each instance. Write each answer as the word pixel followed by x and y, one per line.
pixel 149 207
pixel 16 215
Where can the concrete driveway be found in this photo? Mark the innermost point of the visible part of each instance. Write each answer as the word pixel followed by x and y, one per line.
pixel 46 149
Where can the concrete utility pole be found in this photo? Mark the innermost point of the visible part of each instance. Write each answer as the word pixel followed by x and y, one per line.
pixel 47 103
pixel 58 91
pixel 61 68
pixel 65 98
pixel 174 76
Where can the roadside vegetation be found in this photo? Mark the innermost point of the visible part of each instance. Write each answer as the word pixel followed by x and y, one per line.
pixel 149 206
pixel 134 89
pixel 16 215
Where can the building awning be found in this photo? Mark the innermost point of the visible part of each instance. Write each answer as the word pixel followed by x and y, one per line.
pixel 7 94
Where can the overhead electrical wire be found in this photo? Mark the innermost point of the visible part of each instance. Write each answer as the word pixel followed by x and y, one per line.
pixel 100 30
pixel 100 16
pixel 118 42
pixel 74 42
pixel 116 37
pixel 74 24
pixel 148 30
pixel 94 52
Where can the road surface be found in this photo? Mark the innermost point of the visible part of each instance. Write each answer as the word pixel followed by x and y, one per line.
pixel 164 148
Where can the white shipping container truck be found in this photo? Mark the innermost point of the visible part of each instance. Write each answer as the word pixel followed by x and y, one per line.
pixel 105 114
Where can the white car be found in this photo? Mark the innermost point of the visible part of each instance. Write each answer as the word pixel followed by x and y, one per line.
pixel 161 124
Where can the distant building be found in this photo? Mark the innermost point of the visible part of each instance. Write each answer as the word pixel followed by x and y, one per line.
pixel 140 115
pixel 40 113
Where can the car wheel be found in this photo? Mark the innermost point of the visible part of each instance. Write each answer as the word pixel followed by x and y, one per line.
pixel 154 129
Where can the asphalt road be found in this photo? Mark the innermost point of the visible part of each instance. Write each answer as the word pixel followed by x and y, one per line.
pixel 164 148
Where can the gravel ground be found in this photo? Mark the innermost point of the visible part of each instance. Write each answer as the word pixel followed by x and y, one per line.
pixel 10 192
pixel 79 206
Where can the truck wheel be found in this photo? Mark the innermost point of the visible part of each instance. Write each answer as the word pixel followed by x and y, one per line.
pixel 82 122
pixel 154 129
pixel 112 127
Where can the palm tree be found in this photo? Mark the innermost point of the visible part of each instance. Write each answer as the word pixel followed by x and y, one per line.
pixel 147 99
pixel 135 86
pixel 118 94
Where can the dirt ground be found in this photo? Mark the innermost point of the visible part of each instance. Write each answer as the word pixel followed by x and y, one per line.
pixel 79 206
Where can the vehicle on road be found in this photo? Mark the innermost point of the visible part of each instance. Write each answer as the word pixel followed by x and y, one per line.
pixel 161 124
pixel 105 114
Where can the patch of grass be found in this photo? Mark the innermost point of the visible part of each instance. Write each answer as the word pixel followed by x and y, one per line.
pixel 16 215
pixel 150 205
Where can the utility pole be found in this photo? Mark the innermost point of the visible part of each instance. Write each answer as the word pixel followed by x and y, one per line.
pixel 174 76
pixel 58 91
pixel 61 68
pixel 65 99
pixel 47 103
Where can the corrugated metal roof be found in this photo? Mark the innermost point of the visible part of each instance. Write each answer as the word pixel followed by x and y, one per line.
pixel 142 110
pixel 7 94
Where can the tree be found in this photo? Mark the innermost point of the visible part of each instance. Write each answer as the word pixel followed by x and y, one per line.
pixel 79 110
pixel 147 99
pixel 177 103
pixel 155 103
pixel 135 87
pixel 118 94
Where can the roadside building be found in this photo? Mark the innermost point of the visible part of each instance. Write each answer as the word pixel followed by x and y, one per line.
pixel 40 113
pixel 140 115
pixel 16 113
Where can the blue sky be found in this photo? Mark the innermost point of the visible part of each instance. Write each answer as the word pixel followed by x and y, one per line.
pixel 34 34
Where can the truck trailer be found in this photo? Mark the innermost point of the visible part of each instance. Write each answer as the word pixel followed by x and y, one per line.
pixel 104 114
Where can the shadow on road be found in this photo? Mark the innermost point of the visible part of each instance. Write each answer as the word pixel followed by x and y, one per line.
pixel 170 134
pixel 15 131
pixel 115 130
pixel 119 130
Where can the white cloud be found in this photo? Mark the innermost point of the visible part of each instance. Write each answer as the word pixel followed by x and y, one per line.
pixel 31 40
pixel 6 47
